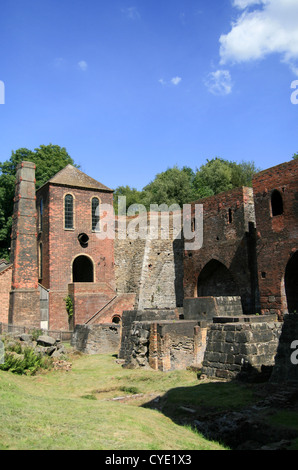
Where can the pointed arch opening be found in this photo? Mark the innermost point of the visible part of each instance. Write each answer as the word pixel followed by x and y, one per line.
pixel 216 280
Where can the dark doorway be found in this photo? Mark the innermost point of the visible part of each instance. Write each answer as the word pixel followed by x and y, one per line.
pixel 82 269
pixel 291 283
pixel 216 280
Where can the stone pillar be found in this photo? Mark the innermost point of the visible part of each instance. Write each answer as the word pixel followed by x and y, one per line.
pixel 24 308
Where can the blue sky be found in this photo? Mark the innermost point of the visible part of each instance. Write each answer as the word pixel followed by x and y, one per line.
pixel 131 88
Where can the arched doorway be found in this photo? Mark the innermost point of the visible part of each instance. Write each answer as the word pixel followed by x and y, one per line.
pixel 82 269
pixel 216 280
pixel 291 283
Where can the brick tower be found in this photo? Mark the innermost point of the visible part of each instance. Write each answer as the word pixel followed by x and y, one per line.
pixel 24 308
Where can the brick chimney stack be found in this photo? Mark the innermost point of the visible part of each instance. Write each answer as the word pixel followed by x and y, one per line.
pixel 24 308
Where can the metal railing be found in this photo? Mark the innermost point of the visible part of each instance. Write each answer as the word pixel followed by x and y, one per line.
pixel 63 336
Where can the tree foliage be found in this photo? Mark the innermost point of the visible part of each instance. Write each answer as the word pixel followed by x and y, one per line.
pixel 185 185
pixel 49 159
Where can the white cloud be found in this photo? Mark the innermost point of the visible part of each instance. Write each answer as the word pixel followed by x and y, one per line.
pixel 131 13
pixel 176 80
pixel 259 32
pixel 219 82
pixel 83 65
pixel 246 3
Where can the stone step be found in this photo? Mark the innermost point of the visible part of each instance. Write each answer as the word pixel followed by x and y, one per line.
pixel 246 319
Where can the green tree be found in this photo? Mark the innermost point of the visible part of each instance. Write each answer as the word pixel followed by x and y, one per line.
pixel 219 175
pixel 133 196
pixel 295 156
pixel 49 159
pixel 173 186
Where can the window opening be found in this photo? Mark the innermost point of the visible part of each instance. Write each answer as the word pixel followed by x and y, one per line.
pixel 95 214
pixel 276 203
pixel 68 212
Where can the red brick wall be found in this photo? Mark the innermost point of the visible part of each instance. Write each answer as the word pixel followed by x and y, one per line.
pixel 276 235
pixel 24 306
pixel 5 286
pixel 228 241
pixel 61 247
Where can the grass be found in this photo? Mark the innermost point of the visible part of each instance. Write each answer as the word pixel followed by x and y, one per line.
pixel 75 410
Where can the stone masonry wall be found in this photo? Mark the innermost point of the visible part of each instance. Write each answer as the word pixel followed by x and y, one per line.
pixel 151 267
pixel 97 339
pixel 241 348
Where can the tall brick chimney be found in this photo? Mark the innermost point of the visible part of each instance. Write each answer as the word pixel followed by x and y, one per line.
pixel 24 307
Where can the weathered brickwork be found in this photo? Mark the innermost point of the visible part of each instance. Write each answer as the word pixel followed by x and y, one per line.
pixel 276 208
pixel 225 265
pixel 5 286
pixel 24 296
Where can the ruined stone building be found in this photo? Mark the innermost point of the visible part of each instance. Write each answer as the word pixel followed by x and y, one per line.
pixel 163 299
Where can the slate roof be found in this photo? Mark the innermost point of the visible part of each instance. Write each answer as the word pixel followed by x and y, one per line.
pixel 4 265
pixel 72 176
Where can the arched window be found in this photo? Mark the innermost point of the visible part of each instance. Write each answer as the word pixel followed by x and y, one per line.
pixel 68 212
pixel 83 269
pixel 40 261
pixel 95 214
pixel 276 203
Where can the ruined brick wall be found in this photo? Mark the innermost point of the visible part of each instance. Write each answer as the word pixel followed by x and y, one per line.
pixel 151 267
pixel 163 344
pixel 277 232
pixel 5 286
pixel 226 263
pixel 61 247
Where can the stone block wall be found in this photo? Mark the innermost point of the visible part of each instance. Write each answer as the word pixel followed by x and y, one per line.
pixel 176 345
pixel 286 364
pixel 162 344
pixel 97 339
pixel 205 308
pixel 152 266
pixel 141 316
pixel 235 350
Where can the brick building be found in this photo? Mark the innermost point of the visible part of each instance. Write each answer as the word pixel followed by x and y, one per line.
pixel 247 263
pixel 63 255
pixel 250 246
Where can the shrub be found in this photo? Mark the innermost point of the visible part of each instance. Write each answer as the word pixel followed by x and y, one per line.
pixel 28 362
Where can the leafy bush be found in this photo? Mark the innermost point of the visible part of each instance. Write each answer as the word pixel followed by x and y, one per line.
pixel 25 362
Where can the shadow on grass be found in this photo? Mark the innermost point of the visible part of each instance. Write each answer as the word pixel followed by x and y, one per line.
pixel 235 414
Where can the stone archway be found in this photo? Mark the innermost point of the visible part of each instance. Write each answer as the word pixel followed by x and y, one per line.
pixel 82 269
pixel 216 280
pixel 291 283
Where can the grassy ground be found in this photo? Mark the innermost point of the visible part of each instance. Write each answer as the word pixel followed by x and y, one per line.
pixel 77 409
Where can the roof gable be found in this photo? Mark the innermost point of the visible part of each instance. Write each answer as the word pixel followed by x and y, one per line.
pixel 72 176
